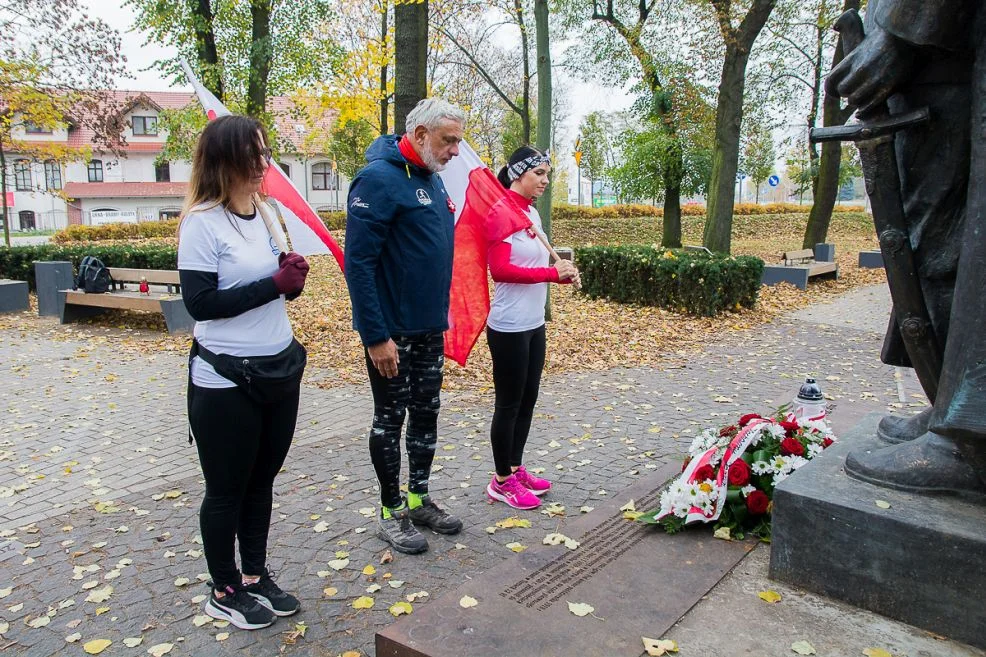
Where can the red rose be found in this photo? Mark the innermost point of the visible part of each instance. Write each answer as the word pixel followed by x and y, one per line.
pixel 757 502
pixel 790 428
pixel 749 417
pixel 730 431
pixel 739 473
pixel 792 447
pixel 827 442
pixel 685 464
pixel 705 472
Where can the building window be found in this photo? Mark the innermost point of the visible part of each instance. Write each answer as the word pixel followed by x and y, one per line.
pixel 323 177
pixel 169 213
pixel 27 220
pixel 286 168
pixel 53 175
pixel 32 128
pixel 145 125
pixel 96 171
pixel 22 175
pixel 162 172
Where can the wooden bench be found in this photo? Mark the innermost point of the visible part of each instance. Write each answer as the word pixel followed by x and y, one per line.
pixel 125 295
pixel 798 267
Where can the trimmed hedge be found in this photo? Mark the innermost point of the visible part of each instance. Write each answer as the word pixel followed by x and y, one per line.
pixel 564 211
pixel 18 262
pixel 154 229
pixel 692 282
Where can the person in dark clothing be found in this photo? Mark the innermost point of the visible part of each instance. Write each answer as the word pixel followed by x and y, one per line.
pixel 234 282
pixel 399 238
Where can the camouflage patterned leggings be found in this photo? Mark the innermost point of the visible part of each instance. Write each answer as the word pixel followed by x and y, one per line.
pixel 414 391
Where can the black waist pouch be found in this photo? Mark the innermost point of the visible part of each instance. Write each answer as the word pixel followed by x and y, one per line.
pixel 266 379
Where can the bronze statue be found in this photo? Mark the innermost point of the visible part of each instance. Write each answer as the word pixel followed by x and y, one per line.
pixel 918 78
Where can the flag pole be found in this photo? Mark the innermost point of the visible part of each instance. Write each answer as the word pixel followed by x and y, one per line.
pixel 577 281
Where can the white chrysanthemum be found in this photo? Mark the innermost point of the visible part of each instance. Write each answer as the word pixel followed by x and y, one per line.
pixel 761 467
pixel 795 462
pixel 756 435
pixel 814 449
pixel 746 490
pixel 781 464
pixel 781 476
pixel 716 457
pixel 775 430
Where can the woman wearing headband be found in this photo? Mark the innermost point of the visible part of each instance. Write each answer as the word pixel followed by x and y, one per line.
pixel 515 327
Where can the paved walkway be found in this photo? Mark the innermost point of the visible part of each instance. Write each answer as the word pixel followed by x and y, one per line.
pixel 99 489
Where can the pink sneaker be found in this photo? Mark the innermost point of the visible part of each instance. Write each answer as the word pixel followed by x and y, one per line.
pixel 512 493
pixel 534 484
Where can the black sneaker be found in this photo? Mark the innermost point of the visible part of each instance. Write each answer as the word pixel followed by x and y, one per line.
pixel 270 595
pixel 239 608
pixel 431 515
pixel 400 533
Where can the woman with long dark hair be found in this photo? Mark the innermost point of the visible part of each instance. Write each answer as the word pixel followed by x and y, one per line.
pixel 515 326
pixel 245 367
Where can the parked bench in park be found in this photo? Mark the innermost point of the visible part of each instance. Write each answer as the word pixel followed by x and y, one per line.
pixel 13 296
pixel 870 260
pixel 799 266
pixel 124 295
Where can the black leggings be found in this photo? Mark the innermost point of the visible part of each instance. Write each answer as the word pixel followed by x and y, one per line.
pixel 242 445
pixel 415 391
pixel 518 359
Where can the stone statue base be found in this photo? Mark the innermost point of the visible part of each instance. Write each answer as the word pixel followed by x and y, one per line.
pixel 919 561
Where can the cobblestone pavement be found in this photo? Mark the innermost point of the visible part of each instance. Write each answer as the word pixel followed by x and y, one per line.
pixel 99 489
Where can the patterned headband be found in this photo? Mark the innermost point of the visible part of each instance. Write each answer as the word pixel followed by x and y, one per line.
pixel 518 169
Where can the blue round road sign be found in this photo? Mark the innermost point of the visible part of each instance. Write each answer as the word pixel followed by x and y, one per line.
pixel 773 181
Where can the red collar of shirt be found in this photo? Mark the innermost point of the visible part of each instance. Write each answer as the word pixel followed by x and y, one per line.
pixel 520 199
pixel 407 150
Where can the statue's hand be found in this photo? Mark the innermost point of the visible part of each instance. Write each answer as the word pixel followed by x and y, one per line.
pixel 872 72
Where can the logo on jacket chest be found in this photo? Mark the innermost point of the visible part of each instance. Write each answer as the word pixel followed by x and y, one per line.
pixel 423 197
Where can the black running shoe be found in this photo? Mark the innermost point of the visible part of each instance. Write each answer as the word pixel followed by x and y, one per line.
pixel 239 608
pixel 270 595
pixel 431 515
pixel 400 533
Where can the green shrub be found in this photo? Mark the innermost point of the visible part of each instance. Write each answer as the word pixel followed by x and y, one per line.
pixel 693 282
pixel 565 211
pixel 333 220
pixel 123 231
pixel 18 262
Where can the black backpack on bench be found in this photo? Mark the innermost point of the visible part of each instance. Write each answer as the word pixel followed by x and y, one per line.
pixel 94 277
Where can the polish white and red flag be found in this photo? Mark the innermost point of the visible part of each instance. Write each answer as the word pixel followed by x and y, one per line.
pixel 308 234
pixel 474 190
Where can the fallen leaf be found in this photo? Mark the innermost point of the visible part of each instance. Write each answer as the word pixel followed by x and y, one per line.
pixel 723 533
pixel 338 564
pixel 411 597
pixel 466 602
pixel 201 620
pixel 160 649
pixel 516 547
pixel 351 653
pixel 6 591
pixel 400 608
pixel 330 591
pixel 512 522
pixel 96 646
pixel 363 602
pixel 38 622
pixel 629 506
pixel 803 648
pixel 182 581
pixel 580 609
pixel 876 652
pixel 658 647
pixel 373 588
pixel 585 509
pixel 321 527
pixel 133 641
pixel 199 599
pixel 369 570
pixel 883 504
pixel 769 596
pixel 387 557
pixel 222 636
pixel 4 627
pixel 172 495
pixel 72 638
pixel 101 610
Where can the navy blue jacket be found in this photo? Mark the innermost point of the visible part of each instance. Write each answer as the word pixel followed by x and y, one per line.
pixel 399 237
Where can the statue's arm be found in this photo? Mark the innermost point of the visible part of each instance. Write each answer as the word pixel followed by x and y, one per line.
pixel 943 24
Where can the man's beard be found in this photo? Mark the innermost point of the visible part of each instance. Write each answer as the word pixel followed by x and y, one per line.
pixel 430 160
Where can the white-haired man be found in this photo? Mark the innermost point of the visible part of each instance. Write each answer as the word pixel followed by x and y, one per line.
pixel 399 238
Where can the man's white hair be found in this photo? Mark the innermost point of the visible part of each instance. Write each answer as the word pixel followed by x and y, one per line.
pixel 430 112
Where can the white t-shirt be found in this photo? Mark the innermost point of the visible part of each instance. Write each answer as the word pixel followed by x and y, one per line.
pixel 519 307
pixel 241 251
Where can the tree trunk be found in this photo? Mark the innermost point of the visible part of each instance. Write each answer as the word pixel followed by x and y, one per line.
pixel 384 101
pixel 205 47
pixel 544 116
pixel 729 120
pixel 411 54
pixel 3 191
pixel 827 184
pixel 261 52
pixel 725 155
pixel 671 236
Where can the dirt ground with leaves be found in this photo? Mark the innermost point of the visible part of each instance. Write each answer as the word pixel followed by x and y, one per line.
pixel 584 335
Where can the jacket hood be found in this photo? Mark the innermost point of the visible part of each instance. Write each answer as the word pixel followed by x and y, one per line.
pixel 385 148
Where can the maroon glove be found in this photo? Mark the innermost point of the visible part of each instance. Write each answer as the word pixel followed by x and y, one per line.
pixel 290 277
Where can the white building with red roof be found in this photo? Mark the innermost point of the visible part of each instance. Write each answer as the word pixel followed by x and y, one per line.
pixel 134 186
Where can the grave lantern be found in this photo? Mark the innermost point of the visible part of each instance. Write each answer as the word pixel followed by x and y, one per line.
pixel 810 402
